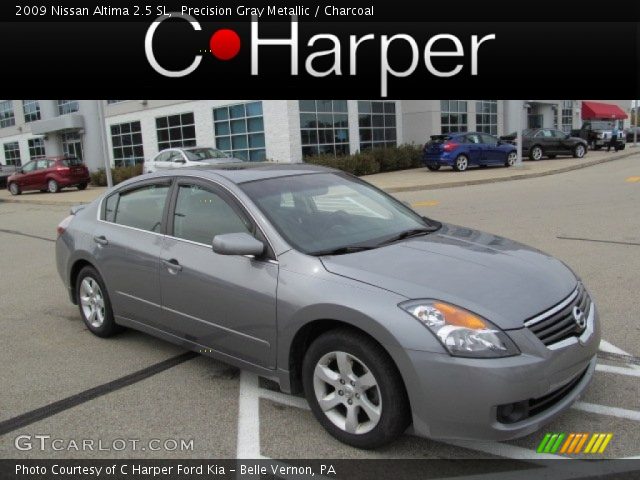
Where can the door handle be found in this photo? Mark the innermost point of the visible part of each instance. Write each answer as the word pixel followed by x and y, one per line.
pixel 101 240
pixel 172 265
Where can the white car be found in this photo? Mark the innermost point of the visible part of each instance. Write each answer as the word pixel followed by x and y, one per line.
pixel 188 157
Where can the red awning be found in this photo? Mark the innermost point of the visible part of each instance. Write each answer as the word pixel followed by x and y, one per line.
pixel 602 111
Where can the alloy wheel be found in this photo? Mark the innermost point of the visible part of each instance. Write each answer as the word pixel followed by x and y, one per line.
pixel 580 151
pixel 52 186
pixel 13 188
pixel 536 153
pixel 461 163
pixel 511 159
pixel 92 302
pixel 347 392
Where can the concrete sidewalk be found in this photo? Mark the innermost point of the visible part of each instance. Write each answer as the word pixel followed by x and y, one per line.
pixel 423 179
pixel 400 181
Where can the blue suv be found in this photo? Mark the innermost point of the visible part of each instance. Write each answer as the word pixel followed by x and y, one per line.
pixel 460 150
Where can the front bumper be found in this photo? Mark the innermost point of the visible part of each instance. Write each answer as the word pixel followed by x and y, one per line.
pixel 459 398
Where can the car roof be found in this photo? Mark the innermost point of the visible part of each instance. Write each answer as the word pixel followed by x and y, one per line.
pixel 252 171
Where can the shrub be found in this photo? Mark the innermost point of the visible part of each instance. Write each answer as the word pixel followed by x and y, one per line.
pixel 372 161
pixel 119 174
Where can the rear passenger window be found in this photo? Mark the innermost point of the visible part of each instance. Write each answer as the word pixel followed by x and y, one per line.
pixel 142 208
pixel 201 214
pixel 110 208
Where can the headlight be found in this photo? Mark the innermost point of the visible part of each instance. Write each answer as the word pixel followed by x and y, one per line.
pixel 462 333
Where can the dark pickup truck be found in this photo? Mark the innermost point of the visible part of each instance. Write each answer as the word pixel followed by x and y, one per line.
pixel 597 133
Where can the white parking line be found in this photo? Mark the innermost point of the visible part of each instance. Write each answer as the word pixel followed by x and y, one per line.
pixel 248 417
pixel 619 370
pixel 610 411
pixel 608 347
pixel 285 399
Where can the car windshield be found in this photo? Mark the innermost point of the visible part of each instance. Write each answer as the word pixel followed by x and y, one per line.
pixel 328 212
pixel 71 162
pixel 199 154
pixel 602 125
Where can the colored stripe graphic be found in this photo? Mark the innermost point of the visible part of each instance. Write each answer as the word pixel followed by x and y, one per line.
pixel 573 443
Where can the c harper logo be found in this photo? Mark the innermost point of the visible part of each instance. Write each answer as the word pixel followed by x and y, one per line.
pixel 226 43
pixel 573 443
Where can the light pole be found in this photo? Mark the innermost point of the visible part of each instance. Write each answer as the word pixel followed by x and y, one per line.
pixel 635 121
pixel 520 127
pixel 105 148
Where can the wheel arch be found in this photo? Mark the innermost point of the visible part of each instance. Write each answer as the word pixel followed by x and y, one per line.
pixel 311 330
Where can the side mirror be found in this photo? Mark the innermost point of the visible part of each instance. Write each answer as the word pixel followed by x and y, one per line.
pixel 237 244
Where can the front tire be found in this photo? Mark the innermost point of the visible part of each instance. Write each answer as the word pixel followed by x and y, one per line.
pixel 52 186
pixel 579 151
pixel 512 157
pixel 354 389
pixel 14 189
pixel 536 153
pixel 461 163
pixel 94 303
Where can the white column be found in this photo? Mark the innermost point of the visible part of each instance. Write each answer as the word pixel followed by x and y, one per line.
pixel 354 126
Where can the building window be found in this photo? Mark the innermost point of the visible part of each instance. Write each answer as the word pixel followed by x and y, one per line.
pixel 126 139
pixel 567 116
pixel 12 153
pixel 176 131
pixel 487 116
pixel 7 119
pixel 453 116
pixel 239 130
pixel 324 127
pixel 377 124
pixel 31 109
pixel 36 148
pixel 67 106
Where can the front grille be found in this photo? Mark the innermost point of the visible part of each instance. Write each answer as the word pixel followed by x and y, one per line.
pixel 518 411
pixel 559 322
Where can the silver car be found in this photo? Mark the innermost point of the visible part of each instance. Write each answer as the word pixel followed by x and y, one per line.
pixel 386 320
pixel 185 157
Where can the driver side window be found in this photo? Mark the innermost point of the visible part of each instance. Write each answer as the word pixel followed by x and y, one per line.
pixel 201 214
pixel 29 167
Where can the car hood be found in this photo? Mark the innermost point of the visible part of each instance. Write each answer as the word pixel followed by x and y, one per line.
pixel 499 279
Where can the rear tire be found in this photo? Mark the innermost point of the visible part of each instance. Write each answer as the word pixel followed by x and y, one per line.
pixel 461 163
pixel 536 153
pixel 94 303
pixel 52 186
pixel 368 411
pixel 82 186
pixel 14 188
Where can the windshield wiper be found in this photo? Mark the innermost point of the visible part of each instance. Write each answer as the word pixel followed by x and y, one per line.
pixel 414 232
pixel 344 250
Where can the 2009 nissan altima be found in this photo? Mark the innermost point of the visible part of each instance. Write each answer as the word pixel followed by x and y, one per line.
pixel 386 320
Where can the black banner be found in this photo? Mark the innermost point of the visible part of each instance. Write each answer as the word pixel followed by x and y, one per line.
pixel 339 469
pixel 361 50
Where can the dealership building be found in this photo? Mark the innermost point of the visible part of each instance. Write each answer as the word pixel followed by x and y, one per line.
pixel 128 131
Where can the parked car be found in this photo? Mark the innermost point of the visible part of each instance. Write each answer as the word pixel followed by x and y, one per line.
pixel 630 134
pixel 460 150
pixel 188 157
pixel 315 279
pixel 597 133
pixel 49 174
pixel 548 142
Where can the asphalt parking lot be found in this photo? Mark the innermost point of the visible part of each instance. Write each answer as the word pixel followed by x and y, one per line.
pixel 59 380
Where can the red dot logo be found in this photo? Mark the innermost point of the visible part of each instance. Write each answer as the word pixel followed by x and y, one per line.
pixel 224 44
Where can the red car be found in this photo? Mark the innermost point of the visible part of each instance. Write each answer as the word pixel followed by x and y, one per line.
pixel 49 174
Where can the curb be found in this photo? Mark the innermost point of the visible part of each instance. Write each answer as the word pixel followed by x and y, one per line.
pixel 410 188
pixel 520 176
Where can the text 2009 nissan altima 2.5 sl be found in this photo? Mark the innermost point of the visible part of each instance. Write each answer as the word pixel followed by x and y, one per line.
pixel 386 320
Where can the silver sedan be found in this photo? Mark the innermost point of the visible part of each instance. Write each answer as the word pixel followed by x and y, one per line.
pixel 384 319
